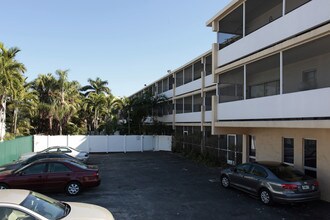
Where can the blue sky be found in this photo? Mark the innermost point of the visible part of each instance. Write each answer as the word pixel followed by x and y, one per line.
pixel 129 43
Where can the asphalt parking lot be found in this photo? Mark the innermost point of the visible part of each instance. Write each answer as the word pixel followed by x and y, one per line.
pixel 163 185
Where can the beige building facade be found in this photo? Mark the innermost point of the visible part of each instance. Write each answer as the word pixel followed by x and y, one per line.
pixel 275 91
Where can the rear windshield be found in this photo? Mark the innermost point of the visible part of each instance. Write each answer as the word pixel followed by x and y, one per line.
pixel 289 174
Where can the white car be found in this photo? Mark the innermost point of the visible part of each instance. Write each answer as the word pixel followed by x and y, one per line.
pixel 28 205
pixel 80 155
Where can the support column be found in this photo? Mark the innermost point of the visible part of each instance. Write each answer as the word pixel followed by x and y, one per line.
pixel 245 149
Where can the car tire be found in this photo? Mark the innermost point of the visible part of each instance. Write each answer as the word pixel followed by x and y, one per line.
pixel 265 196
pixel 73 188
pixel 3 186
pixel 225 182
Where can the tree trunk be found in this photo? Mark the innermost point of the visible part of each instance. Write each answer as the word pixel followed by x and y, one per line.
pixel 15 121
pixel 2 117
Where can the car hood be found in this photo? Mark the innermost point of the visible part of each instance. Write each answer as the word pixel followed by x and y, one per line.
pixel 83 211
pixel 5 173
pixel 11 166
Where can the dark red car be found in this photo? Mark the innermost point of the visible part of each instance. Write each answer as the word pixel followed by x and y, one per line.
pixel 52 175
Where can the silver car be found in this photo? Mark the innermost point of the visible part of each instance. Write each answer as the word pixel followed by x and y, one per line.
pixel 271 182
pixel 79 155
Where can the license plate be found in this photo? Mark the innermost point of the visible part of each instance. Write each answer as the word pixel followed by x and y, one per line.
pixel 304 187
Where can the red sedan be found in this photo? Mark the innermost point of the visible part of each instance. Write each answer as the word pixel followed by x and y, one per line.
pixel 52 175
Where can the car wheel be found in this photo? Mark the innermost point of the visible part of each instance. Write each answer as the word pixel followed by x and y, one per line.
pixel 3 186
pixel 73 188
pixel 225 181
pixel 265 197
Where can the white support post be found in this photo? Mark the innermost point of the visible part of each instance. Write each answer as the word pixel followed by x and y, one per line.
pixel 47 141
pixel 107 143
pixel 141 143
pixel 124 143
pixel 281 72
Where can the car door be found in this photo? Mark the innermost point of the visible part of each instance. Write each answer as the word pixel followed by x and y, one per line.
pixel 254 179
pixel 237 177
pixel 58 176
pixel 31 177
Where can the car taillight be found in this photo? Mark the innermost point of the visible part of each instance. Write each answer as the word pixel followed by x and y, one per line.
pixel 96 174
pixel 289 186
pixel 316 183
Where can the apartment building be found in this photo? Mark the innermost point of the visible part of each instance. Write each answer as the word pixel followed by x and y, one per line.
pixel 262 92
pixel 272 68
pixel 188 111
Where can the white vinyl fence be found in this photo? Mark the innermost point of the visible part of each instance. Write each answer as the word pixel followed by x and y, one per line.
pixel 104 143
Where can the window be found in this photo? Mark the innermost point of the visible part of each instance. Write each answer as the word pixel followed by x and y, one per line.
pixel 65 150
pixel 231 85
pixel 259 13
pixel 258 171
pixel 160 87
pixel 179 106
pixel 293 4
pixel 197 103
pixel 11 213
pixel 306 67
pixel 179 78
pixel 310 157
pixel 209 65
pixel 288 152
pixel 243 168
pixel 188 75
pixel 35 169
pixel 208 100
pixel 231 28
pixel 187 104
pixel 171 80
pixel 57 168
pixel 165 84
pixel 198 68
pixel 263 77
pixel 308 79
pixel 252 148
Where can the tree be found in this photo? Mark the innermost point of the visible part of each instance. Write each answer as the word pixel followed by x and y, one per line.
pixel 23 103
pixel 136 110
pixel 45 87
pixel 95 106
pixel 97 86
pixel 11 78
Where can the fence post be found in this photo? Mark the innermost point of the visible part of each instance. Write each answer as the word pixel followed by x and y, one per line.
pixel 47 141
pixel 141 143
pixel 88 140
pixel 124 143
pixel 67 140
pixel 107 143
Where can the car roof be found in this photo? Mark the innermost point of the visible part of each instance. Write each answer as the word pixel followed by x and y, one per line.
pixel 13 196
pixel 52 160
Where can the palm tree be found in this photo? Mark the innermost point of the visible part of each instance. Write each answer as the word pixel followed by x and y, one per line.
pixel 45 87
pixel 95 106
pixel 11 78
pixel 97 86
pixel 66 99
pixel 24 100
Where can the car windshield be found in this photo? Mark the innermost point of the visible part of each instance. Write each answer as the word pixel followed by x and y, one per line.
pixel 45 206
pixel 287 173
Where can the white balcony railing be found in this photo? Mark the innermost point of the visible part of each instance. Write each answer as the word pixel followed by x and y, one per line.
pixel 188 117
pixel 307 104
